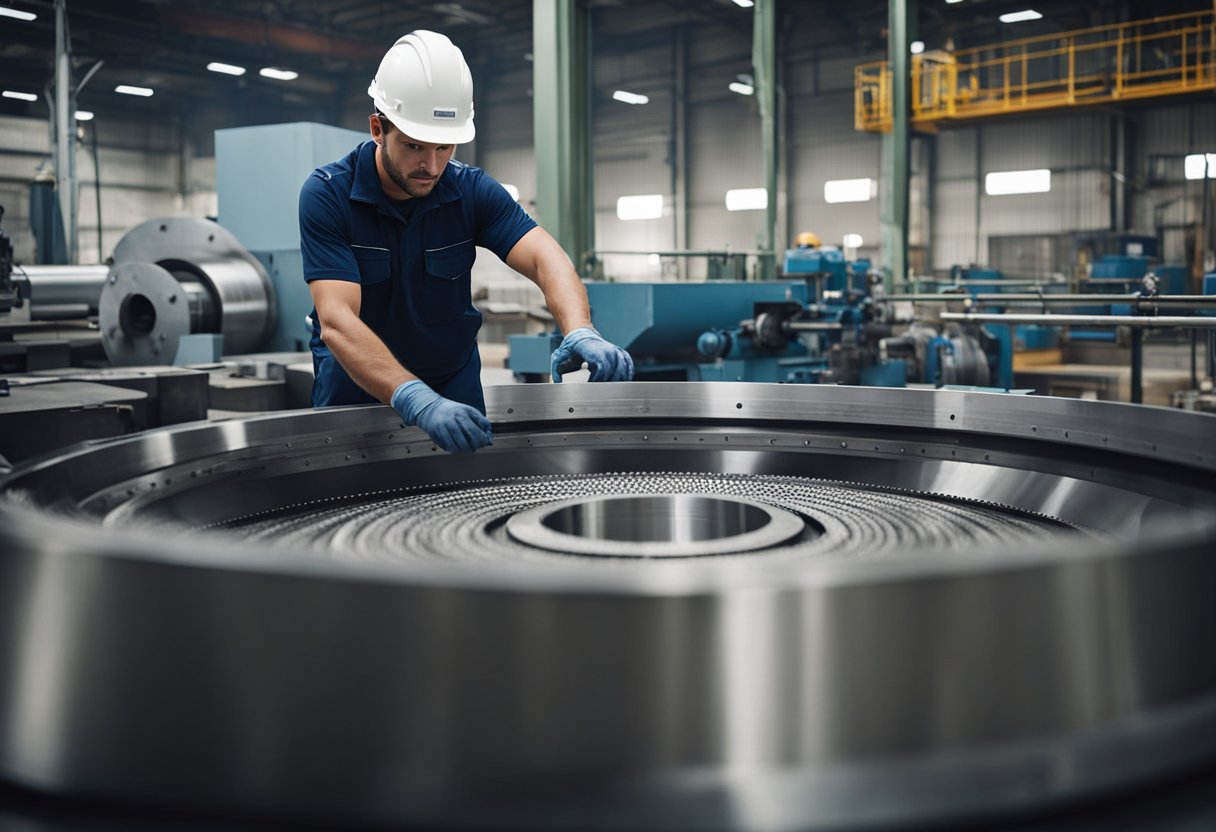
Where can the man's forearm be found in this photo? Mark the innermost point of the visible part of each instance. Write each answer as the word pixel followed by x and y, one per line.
pixel 364 356
pixel 565 295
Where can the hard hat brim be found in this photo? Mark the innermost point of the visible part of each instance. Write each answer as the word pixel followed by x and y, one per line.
pixel 432 133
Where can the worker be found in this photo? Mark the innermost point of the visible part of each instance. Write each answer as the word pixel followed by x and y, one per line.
pixel 807 239
pixel 387 235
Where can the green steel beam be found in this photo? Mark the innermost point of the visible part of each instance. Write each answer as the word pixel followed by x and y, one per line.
pixel 896 146
pixel 561 111
pixel 764 69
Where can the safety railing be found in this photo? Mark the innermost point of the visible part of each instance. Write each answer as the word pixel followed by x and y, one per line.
pixel 1123 61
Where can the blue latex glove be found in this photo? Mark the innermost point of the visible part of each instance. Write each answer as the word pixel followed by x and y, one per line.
pixel 454 427
pixel 607 361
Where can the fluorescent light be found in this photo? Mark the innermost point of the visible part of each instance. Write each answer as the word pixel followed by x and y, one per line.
pixel 84 115
pixel 853 241
pixel 226 69
pixel 5 11
pixel 654 259
pixel 953 1
pixel 741 88
pixel 129 90
pixel 918 46
pixel 1018 17
pixel 278 74
pixel 512 190
pixel 848 190
pixel 640 207
pixel 747 199
pixel 1003 183
pixel 20 96
pixel 630 97
pixel 1195 164
pixel 745 4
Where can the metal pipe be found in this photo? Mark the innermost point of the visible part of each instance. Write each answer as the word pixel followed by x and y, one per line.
pixel 62 287
pixel 1011 299
pixel 812 326
pixel 1137 366
pixel 1141 321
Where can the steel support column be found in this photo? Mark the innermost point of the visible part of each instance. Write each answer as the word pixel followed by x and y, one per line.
pixel 679 146
pixel 764 69
pixel 895 146
pixel 65 130
pixel 561 107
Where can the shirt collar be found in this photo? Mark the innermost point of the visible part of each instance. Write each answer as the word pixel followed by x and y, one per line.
pixel 366 181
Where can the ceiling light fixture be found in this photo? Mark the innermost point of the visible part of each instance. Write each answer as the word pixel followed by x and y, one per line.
pixel 278 74
pixel 126 89
pixel 741 88
pixel 745 4
pixel 20 96
pixel 630 97
pixel 1019 17
pixel 918 46
pixel 84 115
pixel 226 69
pixel 5 11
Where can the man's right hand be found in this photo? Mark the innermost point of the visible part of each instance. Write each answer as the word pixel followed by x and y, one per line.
pixel 454 427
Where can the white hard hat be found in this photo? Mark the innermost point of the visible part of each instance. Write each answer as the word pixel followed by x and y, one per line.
pixel 425 89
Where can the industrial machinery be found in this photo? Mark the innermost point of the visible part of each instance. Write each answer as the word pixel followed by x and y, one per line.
pixel 824 328
pixel 647 606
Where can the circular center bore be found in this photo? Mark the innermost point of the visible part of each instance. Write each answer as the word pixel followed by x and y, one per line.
pixel 137 315
pixel 663 525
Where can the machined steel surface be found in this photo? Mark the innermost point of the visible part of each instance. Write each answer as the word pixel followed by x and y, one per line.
pixel 58 292
pixel 994 604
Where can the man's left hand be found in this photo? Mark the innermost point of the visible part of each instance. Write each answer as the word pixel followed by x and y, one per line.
pixel 606 361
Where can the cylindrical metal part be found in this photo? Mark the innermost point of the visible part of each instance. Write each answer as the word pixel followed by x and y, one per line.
pixel 993 604
pixel 241 297
pixel 54 290
pixel 1138 321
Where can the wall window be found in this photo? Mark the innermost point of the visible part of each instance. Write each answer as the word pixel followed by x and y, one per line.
pixel 848 190
pixel 747 199
pixel 640 207
pixel 1005 182
pixel 1196 162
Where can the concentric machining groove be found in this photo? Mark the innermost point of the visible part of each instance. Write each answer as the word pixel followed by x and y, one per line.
pixel 467 523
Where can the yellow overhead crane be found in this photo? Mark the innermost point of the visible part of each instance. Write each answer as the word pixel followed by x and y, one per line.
pixel 1101 65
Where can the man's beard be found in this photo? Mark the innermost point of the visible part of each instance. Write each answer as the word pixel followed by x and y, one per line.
pixel 402 181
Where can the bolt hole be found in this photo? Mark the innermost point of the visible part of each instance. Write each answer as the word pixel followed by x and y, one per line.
pixel 738 405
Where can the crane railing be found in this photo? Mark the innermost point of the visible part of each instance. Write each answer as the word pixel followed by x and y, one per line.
pixel 1100 65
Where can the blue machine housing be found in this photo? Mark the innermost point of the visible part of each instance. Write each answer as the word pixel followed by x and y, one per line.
pixel 258 174
pixel 838 274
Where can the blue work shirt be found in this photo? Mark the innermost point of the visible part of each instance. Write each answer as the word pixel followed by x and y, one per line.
pixel 415 274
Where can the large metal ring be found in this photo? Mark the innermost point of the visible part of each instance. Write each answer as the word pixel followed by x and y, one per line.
pixel 319 614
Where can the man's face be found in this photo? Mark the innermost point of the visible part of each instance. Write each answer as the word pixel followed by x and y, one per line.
pixel 413 166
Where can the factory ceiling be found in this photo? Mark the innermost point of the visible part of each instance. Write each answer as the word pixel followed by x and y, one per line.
pixel 334 45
